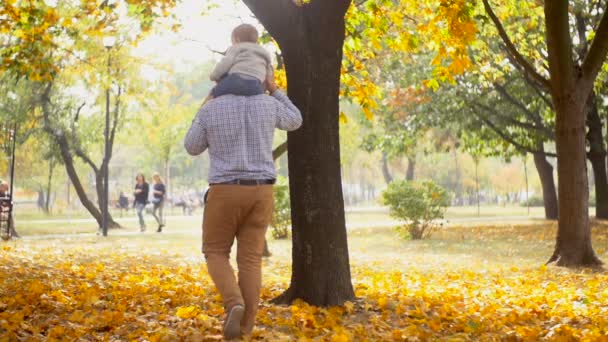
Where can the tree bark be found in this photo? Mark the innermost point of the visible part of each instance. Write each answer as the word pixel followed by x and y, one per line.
pixel 570 88
pixel 311 37
pixel 385 171
pixel 101 197
pixel 597 157
pixel 411 167
pixel 545 174
pixel 47 202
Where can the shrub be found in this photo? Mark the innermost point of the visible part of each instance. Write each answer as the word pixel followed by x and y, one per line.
pixel 419 204
pixel 281 217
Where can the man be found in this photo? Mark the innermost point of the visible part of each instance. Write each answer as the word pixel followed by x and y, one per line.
pixel 6 209
pixel 239 131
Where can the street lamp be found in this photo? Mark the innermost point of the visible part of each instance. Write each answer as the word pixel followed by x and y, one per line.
pixel 108 42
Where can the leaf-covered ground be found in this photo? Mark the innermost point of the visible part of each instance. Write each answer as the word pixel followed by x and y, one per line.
pixel 474 283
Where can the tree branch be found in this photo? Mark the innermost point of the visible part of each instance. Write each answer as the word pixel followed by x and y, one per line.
pixel 512 49
pixel 514 122
pixel 277 16
pixel 597 51
pixel 531 115
pixel 80 154
pixel 115 122
pixel 559 47
pixel 509 139
pixel 279 151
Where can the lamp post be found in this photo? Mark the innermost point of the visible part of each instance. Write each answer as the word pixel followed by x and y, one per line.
pixel 108 42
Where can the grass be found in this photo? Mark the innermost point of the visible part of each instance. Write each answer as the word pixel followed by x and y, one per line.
pixel 31 222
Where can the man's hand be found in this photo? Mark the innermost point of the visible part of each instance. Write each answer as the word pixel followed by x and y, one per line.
pixel 270 84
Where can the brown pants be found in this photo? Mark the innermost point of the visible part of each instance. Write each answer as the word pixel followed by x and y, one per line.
pixel 242 212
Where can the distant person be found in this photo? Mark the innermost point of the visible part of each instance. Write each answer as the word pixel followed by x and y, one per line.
pixel 123 202
pixel 243 69
pixel 6 204
pixel 158 199
pixel 141 192
pixel 238 131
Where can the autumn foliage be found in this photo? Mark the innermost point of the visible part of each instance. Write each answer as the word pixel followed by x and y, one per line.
pixel 145 289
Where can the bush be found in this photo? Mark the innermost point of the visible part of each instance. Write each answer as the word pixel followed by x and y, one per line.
pixel 420 204
pixel 281 217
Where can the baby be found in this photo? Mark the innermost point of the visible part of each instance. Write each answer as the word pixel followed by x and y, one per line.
pixel 243 69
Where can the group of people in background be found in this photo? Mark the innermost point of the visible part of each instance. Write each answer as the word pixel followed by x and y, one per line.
pixel 142 193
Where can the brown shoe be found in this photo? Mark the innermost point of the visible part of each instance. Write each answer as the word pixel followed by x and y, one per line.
pixel 232 325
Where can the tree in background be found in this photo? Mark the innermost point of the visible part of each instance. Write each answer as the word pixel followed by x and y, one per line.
pixel 58 48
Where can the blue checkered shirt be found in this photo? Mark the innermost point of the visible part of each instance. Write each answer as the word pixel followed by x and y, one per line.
pixel 239 132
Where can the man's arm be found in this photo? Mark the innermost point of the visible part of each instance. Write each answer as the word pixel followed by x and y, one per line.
pixel 289 117
pixel 223 66
pixel 196 138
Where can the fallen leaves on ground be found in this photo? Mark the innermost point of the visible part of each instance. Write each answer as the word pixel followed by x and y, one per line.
pixel 101 292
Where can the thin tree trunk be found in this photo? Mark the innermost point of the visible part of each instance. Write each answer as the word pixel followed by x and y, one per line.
pixel 411 167
pixel 477 186
pixel 457 180
pixel 311 38
pixel 47 202
pixel 385 171
pixel 545 174
pixel 68 161
pixel 597 157
pixel 101 198
pixel 527 184
pixel 167 176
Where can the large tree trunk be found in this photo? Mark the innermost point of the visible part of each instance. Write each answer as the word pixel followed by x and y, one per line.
pixel 311 38
pixel 411 167
pixel 573 246
pixel 385 171
pixel 570 89
pixel 545 174
pixel 597 157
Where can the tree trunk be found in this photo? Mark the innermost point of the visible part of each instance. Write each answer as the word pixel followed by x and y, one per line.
pixel 477 186
pixel 571 86
pixel 411 167
pixel 573 245
pixel 101 197
pixel 597 157
pixel 167 177
pixel 385 171
pixel 68 161
pixel 545 174
pixel 266 252
pixel 47 202
pixel 311 38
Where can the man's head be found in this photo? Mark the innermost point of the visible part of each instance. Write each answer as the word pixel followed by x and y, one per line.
pixel 245 33
pixel 3 186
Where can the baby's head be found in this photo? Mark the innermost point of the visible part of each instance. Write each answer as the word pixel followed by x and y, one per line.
pixel 245 33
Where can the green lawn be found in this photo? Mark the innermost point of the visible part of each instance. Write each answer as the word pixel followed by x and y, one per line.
pixel 30 222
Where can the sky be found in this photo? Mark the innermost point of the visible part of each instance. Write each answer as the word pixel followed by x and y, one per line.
pixel 199 34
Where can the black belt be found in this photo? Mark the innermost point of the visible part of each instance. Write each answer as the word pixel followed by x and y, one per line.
pixel 247 182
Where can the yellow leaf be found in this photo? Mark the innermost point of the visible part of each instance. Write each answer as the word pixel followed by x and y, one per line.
pixel 343 118
pixel 186 312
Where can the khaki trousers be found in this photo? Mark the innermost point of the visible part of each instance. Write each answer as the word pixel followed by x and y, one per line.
pixel 242 212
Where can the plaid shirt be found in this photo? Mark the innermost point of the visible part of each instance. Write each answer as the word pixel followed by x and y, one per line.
pixel 239 132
